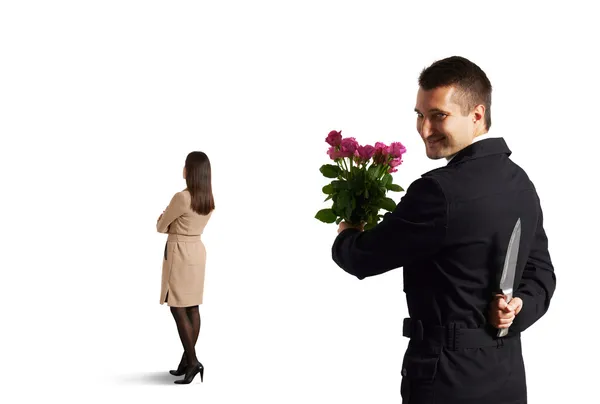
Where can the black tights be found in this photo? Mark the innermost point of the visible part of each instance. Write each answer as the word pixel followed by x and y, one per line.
pixel 188 326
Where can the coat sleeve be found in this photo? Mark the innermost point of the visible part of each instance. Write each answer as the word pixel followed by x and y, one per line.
pixel 538 281
pixel 414 230
pixel 175 209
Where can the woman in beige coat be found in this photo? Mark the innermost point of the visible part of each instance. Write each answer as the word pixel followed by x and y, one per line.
pixel 185 257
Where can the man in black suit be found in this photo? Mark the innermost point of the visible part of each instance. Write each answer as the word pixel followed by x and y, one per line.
pixel 450 234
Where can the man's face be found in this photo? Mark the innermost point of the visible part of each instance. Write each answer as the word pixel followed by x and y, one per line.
pixel 441 124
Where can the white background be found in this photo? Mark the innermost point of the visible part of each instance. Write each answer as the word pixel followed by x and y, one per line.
pixel 101 101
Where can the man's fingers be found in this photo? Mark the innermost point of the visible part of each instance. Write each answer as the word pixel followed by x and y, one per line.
pixel 505 314
pixel 503 320
pixel 502 314
pixel 500 319
pixel 506 320
pixel 515 304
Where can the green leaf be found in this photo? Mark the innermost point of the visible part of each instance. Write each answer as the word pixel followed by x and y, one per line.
pixel 348 211
pixel 338 220
pixel 388 204
pixel 343 199
pixel 394 188
pixel 387 179
pixel 330 171
pixel 328 198
pixel 372 172
pixel 339 185
pixel 328 189
pixel 326 216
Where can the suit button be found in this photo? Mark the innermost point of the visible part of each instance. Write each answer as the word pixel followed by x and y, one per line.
pixel 404 372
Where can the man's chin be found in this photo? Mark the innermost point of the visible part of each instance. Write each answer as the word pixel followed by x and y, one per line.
pixel 436 153
pixel 435 156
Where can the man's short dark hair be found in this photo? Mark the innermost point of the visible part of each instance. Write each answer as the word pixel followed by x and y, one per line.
pixel 472 85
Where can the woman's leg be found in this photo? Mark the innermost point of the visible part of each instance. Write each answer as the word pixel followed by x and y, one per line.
pixel 193 313
pixel 186 334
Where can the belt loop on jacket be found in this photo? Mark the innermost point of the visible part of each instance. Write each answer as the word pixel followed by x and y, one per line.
pixel 451 337
pixel 413 329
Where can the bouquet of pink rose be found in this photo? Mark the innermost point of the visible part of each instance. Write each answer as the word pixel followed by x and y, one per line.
pixel 362 177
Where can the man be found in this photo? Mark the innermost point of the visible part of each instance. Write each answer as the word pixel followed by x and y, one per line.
pixel 450 234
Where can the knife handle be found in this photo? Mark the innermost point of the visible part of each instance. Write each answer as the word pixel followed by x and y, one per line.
pixel 502 332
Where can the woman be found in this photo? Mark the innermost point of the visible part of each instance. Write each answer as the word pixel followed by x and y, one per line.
pixel 185 257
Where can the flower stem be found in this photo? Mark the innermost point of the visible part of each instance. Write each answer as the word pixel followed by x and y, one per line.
pixel 345 165
pixel 350 169
pixel 341 168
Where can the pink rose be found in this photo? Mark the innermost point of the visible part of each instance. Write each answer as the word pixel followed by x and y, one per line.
pixel 395 162
pixel 334 138
pixel 349 146
pixel 392 170
pixel 366 152
pixel 344 153
pixel 396 149
pixel 381 153
pixel 381 147
pixel 333 153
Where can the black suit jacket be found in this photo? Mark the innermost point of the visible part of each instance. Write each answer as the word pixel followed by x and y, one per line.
pixel 450 233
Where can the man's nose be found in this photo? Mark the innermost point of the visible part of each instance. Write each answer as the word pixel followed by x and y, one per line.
pixel 425 129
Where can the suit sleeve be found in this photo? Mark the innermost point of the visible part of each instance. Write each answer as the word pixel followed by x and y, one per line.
pixel 175 209
pixel 538 281
pixel 414 230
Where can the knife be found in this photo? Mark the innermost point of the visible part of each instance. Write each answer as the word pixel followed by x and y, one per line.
pixel 510 267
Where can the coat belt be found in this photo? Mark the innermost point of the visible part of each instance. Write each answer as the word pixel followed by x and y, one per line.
pixel 453 336
pixel 183 238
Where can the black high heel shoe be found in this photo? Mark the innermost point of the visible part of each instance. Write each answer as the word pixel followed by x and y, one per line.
pixel 191 373
pixel 180 368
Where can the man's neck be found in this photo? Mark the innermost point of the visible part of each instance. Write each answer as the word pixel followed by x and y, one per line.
pixel 477 138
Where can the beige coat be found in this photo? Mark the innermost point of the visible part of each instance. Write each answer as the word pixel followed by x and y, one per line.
pixel 185 256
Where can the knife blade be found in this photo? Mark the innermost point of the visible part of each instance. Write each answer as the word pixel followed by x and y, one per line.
pixel 507 279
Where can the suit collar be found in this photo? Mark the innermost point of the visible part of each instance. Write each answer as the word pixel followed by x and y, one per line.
pixel 476 139
pixel 483 148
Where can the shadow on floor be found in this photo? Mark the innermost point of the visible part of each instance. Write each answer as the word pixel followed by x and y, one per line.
pixel 148 378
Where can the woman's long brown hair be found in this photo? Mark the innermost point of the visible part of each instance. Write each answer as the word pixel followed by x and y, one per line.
pixel 198 180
